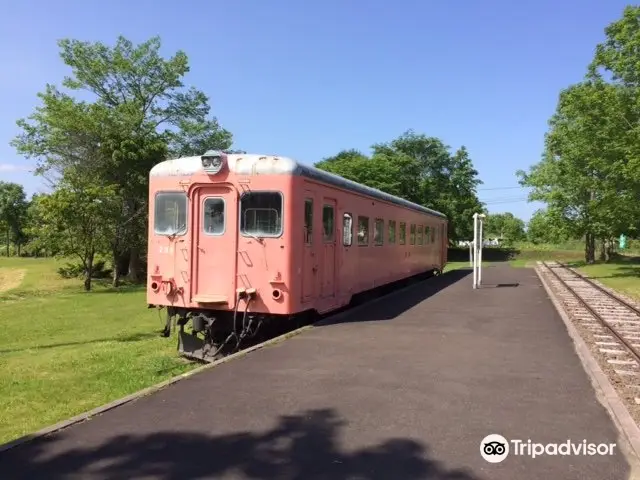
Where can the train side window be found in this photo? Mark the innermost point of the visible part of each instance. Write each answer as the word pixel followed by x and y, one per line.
pixel 363 231
pixel 347 230
pixel 328 224
pixel 433 235
pixel 412 234
pixel 427 228
pixel 308 221
pixel 170 213
pixel 392 231
pixel 378 232
pixel 261 214
pixel 419 234
pixel 403 233
pixel 213 216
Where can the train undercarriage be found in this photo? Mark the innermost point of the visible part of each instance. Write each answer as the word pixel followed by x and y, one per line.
pixel 216 333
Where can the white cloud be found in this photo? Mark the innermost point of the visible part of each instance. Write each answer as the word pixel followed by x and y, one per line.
pixel 11 167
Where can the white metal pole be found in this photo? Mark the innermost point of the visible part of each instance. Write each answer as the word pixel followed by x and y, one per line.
pixel 475 248
pixel 481 243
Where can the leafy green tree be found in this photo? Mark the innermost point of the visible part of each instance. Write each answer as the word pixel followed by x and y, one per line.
pixel 504 226
pixel 590 172
pixel 13 210
pixel 618 54
pixel 75 220
pixel 584 174
pixel 350 164
pixel 419 169
pixel 544 228
pixel 139 113
pixel 36 244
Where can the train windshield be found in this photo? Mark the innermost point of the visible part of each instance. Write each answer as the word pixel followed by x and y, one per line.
pixel 261 214
pixel 170 213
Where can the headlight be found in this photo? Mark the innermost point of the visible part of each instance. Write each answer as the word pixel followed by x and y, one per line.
pixel 212 161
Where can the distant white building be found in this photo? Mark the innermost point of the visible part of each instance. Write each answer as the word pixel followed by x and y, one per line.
pixel 489 242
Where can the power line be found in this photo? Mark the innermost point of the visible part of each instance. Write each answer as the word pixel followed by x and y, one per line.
pixel 501 202
pixel 501 188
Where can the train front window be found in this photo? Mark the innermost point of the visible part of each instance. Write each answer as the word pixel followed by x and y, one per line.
pixel 261 214
pixel 170 213
pixel 213 216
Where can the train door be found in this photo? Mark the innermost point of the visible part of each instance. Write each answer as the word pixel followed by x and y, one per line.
pixel 328 269
pixel 309 260
pixel 215 244
pixel 444 241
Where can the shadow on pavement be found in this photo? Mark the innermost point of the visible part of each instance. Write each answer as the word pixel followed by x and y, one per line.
pixel 301 447
pixel 396 303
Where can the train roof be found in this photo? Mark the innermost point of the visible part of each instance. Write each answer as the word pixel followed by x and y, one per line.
pixel 254 164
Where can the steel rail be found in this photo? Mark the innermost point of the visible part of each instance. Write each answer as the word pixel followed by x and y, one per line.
pixel 604 323
pixel 603 290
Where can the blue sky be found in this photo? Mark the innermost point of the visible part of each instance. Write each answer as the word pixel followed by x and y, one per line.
pixel 306 79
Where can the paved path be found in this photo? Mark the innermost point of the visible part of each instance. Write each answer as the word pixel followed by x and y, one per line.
pixel 407 390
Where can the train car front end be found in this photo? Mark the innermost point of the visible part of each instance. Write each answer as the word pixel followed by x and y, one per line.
pixel 215 242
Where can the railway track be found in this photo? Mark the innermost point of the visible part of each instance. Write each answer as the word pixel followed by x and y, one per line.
pixel 609 323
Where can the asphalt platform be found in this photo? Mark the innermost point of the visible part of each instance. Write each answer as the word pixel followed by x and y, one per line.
pixel 406 388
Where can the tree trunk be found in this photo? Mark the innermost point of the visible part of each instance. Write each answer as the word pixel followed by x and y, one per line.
pixel 590 248
pixel 611 247
pixel 123 263
pixel 18 245
pixel 116 272
pixel 134 265
pixel 8 242
pixel 88 272
pixel 603 250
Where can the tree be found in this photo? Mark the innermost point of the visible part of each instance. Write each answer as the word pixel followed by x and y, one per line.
pixel 544 228
pixel 618 58
pixel 419 169
pixel 505 226
pixel 75 220
pixel 618 54
pixel 13 209
pixel 590 172
pixel 586 177
pixel 36 245
pixel 350 164
pixel 139 114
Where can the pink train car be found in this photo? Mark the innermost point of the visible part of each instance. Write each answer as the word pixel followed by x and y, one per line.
pixel 236 240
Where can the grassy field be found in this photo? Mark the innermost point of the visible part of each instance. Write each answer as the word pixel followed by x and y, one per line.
pixel 64 351
pixel 622 274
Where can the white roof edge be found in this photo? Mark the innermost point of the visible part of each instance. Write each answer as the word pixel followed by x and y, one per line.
pixel 254 164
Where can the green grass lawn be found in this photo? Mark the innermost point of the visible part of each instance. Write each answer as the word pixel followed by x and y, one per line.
pixel 64 351
pixel 621 274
